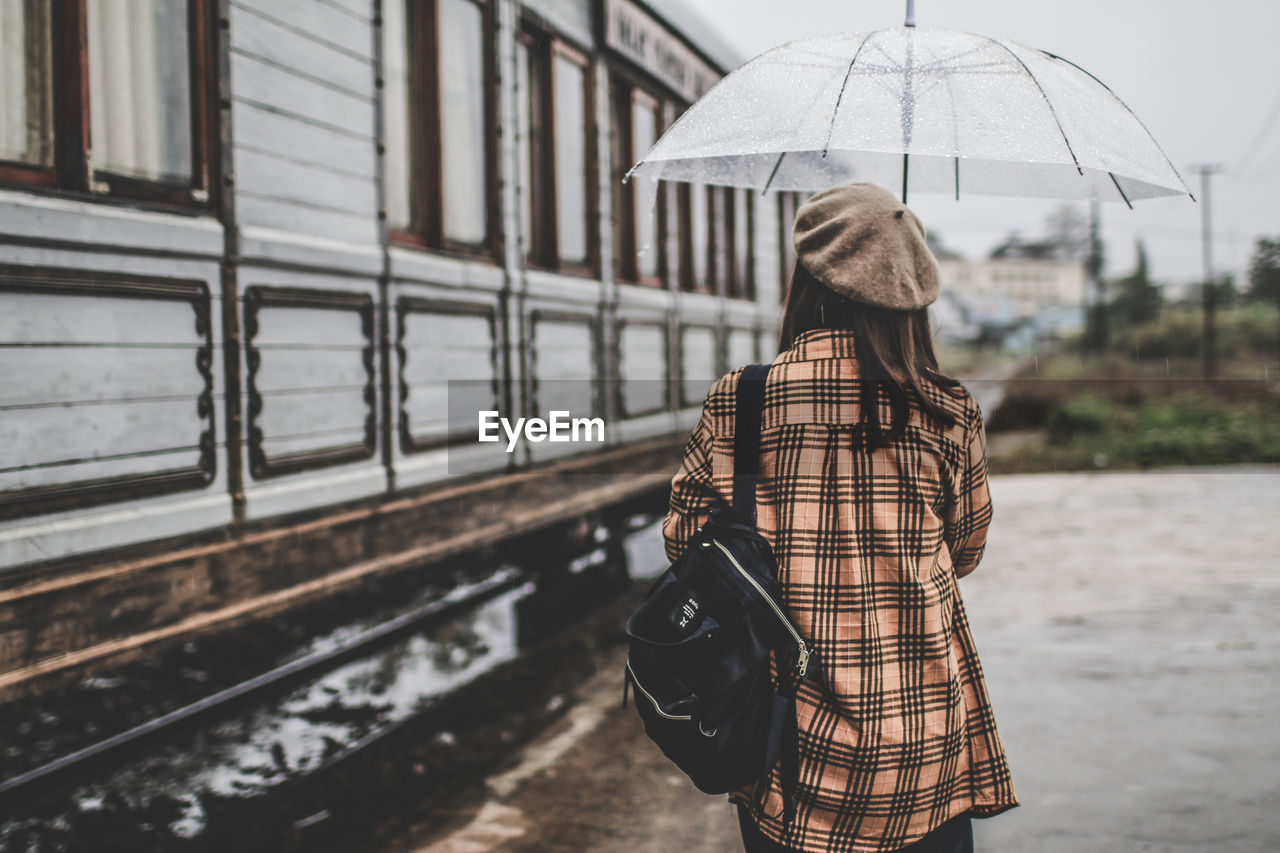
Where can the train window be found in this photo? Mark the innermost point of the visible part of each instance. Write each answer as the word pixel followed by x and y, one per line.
pixel 640 231
pixel 554 152
pixel 26 97
pixel 438 101
pixel 463 166
pixel 697 235
pixel 788 203
pixel 106 97
pixel 569 101
pixel 721 226
pixel 397 88
pixel 527 126
pixel 742 285
pixel 644 133
pixel 140 89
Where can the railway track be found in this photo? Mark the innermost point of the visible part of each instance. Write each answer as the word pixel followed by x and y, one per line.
pixel 259 755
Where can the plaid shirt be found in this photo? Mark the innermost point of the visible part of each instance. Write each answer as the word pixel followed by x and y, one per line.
pixel 896 729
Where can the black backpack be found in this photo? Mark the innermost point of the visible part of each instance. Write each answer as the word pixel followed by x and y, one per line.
pixel 701 643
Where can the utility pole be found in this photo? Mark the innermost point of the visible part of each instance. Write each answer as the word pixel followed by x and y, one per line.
pixel 1095 310
pixel 1209 290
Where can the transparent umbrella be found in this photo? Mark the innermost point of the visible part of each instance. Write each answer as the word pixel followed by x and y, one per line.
pixel 938 110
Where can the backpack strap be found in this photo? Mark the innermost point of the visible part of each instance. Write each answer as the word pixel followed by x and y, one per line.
pixel 782 746
pixel 746 440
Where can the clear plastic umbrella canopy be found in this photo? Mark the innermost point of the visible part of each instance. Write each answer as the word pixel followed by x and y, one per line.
pixel 972 114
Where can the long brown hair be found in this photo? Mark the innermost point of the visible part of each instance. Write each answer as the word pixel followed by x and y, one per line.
pixel 894 351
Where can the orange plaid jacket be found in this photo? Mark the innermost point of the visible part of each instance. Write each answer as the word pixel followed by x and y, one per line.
pixel 896 729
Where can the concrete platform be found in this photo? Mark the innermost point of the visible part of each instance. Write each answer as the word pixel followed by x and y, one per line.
pixel 1129 627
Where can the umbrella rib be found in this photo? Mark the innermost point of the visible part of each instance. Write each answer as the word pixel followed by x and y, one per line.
pixel 1119 190
pixel 1047 102
pixel 835 112
pixel 947 63
pixel 1131 112
pixel 774 172
pixel 955 131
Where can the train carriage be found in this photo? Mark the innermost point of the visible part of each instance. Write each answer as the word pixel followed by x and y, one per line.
pixel 264 261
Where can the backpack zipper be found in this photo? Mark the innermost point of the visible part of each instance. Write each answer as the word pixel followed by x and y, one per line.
pixel 802 653
pixel 649 696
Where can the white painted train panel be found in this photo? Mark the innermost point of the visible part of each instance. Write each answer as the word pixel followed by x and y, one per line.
pixel 697 363
pixel 281 448
pixel 73 375
pixel 324 23
pixel 449 370
pixel 440 346
pixel 642 367
pixel 742 347
pixel 266 85
pixel 96 469
pixel 359 10
pixel 564 366
pixel 463 364
pixel 281 43
pixel 427 408
pixel 447 408
pixel 305 326
pixel 311 385
pixel 318 419
pixel 315 222
pixel 108 389
pixel 572 17
pixel 277 176
pixel 60 436
pixel 564 350
pixel 71 318
pixel 259 129
pixel 284 371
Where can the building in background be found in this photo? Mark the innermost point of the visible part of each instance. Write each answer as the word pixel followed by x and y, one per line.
pixel 1025 291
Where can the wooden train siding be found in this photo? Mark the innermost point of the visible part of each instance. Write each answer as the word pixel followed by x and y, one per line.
pixel 69 624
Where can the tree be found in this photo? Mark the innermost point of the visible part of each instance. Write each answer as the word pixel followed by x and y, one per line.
pixel 1066 229
pixel 1264 270
pixel 1137 300
pixel 1094 261
pixel 940 250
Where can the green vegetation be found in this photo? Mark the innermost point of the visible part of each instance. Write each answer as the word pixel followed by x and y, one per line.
pixel 967 361
pixel 1128 392
pixel 1246 333
pixel 1124 427
pixel 1148 407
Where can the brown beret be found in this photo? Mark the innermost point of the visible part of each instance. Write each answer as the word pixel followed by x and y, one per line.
pixel 864 244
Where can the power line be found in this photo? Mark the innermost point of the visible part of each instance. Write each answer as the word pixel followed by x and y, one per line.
pixel 1261 135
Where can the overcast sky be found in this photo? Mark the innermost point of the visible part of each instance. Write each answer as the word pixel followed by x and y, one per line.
pixel 1203 76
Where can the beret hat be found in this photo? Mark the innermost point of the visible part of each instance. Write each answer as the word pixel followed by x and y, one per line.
pixel 864 244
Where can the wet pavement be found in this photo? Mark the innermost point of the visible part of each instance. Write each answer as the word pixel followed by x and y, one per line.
pixel 1127 624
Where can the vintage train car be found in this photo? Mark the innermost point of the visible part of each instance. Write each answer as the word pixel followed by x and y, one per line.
pixel 262 262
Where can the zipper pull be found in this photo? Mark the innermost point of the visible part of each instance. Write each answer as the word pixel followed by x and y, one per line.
pixel 802 662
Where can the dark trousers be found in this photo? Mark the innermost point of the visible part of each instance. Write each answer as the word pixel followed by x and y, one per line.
pixel 954 836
